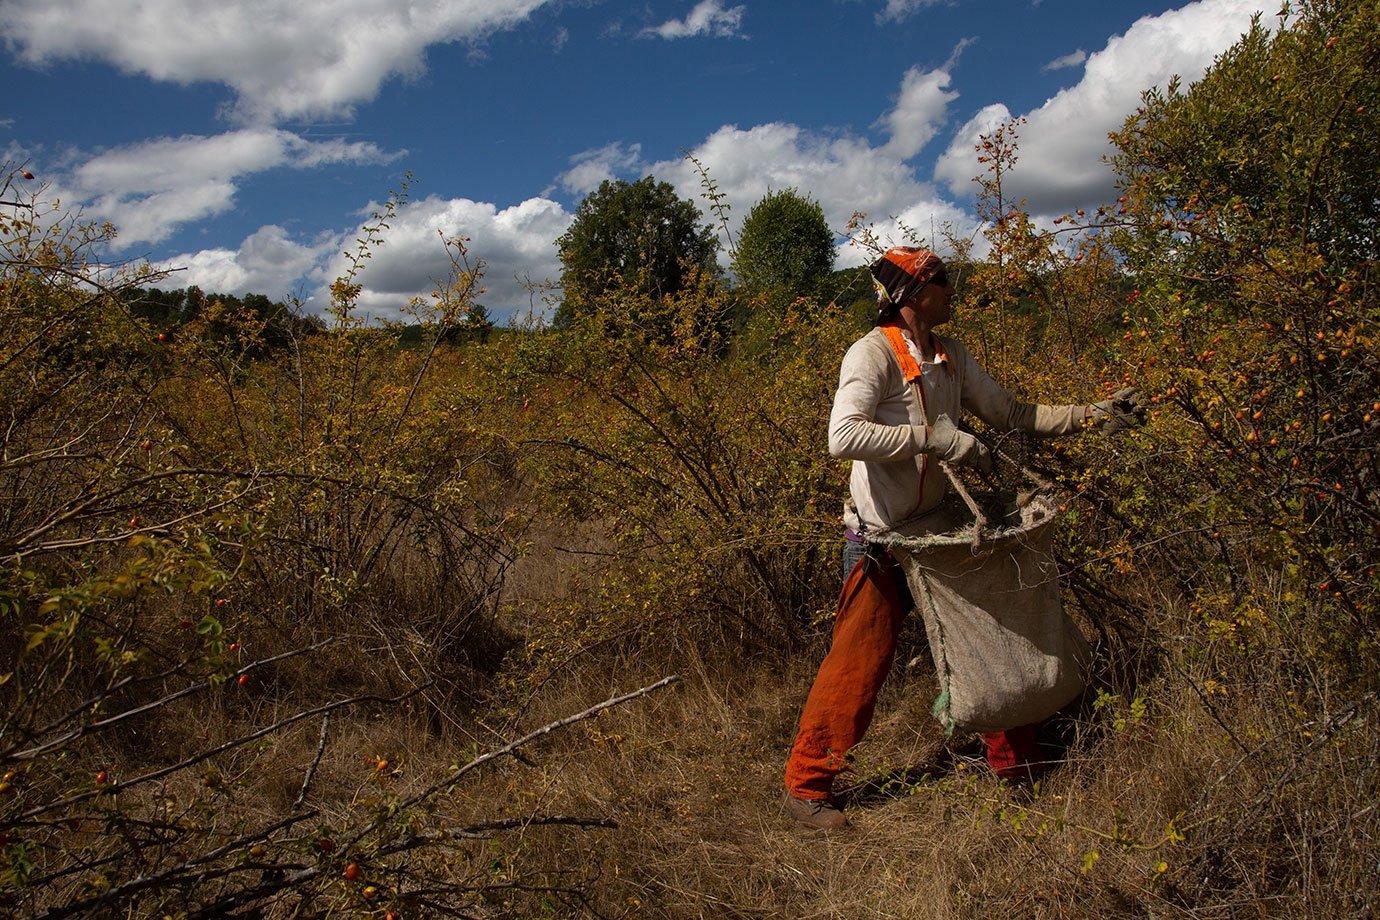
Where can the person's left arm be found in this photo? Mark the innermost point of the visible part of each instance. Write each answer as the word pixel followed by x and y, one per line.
pixel 996 406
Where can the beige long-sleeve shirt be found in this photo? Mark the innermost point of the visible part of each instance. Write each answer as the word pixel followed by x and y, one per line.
pixel 876 424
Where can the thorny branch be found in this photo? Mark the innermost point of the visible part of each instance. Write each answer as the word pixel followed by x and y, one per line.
pixel 274 882
pixel 101 724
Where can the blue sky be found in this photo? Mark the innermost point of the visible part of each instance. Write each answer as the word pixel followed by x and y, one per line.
pixel 244 143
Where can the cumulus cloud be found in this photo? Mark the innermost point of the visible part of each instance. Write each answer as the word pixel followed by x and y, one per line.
pixel 516 245
pixel 173 180
pixel 707 18
pixel 920 111
pixel 592 167
pixel 846 175
pixel 149 189
pixel 1064 62
pixel 267 261
pixel 961 153
pixel 1065 140
pixel 320 58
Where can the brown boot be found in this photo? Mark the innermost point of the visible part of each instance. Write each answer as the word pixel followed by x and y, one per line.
pixel 817 814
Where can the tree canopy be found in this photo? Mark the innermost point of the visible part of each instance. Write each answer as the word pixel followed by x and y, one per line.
pixel 1280 137
pixel 637 237
pixel 279 324
pixel 1248 223
pixel 786 248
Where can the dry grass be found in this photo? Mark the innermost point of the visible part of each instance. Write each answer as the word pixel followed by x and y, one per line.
pixel 1156 818
pixel 1217 795
pixel 1235 803
pixel 1184 795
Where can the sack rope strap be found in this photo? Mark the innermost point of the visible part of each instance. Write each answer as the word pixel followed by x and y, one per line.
pixel 910 369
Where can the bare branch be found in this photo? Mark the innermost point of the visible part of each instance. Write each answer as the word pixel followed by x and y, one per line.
pixel 315 762
pixel 197 758
pixel 138 710
pixel 513 746
pixel 144 882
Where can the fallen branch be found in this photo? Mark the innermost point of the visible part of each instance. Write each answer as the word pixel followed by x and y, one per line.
pixel 482 830
pixel 507 749
pixel 170 875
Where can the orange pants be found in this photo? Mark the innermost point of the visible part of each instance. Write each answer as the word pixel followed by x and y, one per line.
pixel 841 702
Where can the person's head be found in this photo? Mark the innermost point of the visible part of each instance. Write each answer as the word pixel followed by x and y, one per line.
pixel 901 277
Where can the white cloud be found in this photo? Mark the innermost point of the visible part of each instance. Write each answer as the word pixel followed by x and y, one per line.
pixel 149 189
pixel 920 111
pixel 515 244
pixel 591 167
pixel 844 174
pixel 707 18
pixel 1060 165
pixel 961 153
pixel 282 58
pixel 267 262
pixel 897 10
pixel 1072 59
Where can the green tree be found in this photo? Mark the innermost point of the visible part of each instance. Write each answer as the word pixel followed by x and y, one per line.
pixel 786 248
pixel 1249 220
pixel 1275 146
pixel 637 237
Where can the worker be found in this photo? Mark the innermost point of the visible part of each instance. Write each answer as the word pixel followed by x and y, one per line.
pixel 896 449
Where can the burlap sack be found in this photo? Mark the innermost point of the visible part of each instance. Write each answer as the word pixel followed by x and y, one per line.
pixel 1005 651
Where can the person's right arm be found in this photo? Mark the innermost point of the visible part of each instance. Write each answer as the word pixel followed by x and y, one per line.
pixel 865 378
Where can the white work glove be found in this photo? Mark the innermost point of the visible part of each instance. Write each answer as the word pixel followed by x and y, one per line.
pixel 1126 409
pixel 951 445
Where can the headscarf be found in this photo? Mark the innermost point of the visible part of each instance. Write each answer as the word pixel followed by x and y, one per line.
pixel 901 272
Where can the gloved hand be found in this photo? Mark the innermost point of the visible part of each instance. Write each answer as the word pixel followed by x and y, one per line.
pixel 1126 409
pixel 948 443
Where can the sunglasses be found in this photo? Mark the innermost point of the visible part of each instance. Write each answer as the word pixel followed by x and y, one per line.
pixel 941 278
